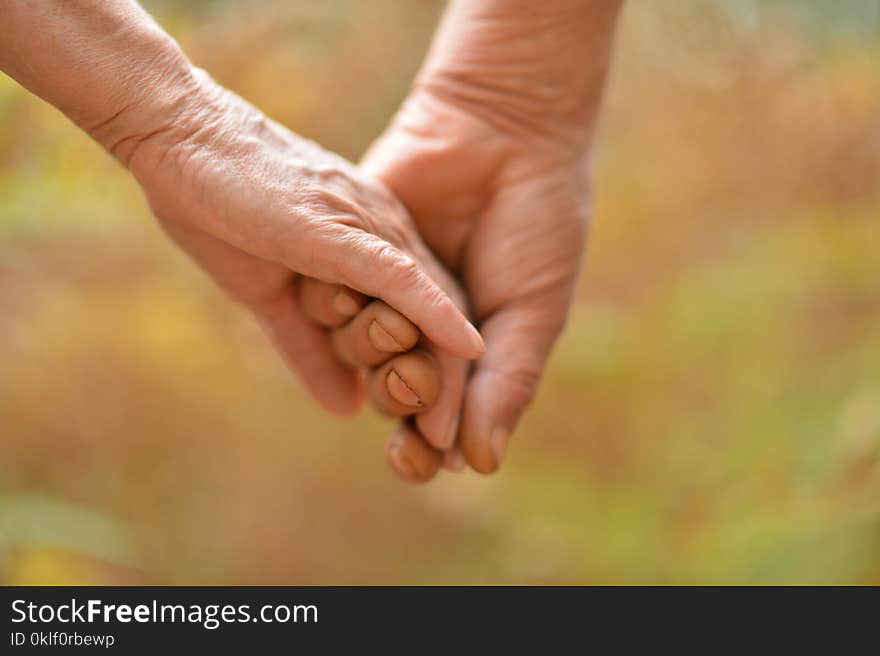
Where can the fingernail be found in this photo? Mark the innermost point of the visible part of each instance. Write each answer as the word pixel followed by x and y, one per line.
pixel 400 391
pixel 402 464
pixel 498 444
pixel 345 305
pixel 477 340
pixel 382 339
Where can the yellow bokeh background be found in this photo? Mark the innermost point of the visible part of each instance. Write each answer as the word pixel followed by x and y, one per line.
pixel 711 414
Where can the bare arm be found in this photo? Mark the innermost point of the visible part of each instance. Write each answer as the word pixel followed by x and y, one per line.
pixel 536 66
pixel 491 154
pixel 252 202
pixel 106 65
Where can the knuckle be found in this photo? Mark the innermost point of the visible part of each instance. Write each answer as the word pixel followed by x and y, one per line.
pixel 401 265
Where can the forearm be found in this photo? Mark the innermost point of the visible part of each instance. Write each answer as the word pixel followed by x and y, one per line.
pixel 103 63
pixel 537 66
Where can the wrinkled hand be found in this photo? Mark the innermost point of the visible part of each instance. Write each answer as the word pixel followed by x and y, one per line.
pixel 255 206
pixel 506 210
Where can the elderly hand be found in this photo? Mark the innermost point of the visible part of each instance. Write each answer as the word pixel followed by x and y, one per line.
pixel 491 154
pixel 509 215
pixel 254 204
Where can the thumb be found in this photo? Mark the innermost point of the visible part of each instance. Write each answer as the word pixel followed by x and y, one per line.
pixel 519 339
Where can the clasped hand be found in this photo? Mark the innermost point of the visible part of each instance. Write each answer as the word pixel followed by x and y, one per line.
pixel 470 210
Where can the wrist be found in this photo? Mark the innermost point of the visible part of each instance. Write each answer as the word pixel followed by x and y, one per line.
pixel 105 64
pixel 531 68
pixel 512 110
pixel 150 104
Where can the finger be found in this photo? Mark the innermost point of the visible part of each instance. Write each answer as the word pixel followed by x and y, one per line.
pixel 328 304
pixel 410 457
pixel 376 268
pixel 453 459
pixel 504 381
pixel 375 335
pixel 308 351
pixel 406 384
pixel 439 423
pixel 270 291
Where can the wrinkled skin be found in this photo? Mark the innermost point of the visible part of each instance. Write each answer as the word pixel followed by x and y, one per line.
pixel 255 206
pixel 506 210
pixel 489 155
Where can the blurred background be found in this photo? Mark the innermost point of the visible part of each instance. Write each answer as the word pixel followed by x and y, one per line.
pixel 711 415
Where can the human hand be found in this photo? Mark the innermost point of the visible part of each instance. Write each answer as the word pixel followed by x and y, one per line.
pixel 399 364
pixel 491 155
pixel 255 205
pixel 508 215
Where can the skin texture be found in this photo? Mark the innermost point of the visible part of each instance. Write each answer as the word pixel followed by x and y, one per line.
pixel 514 232
pixel 491 155
pixel 254 204
pixel 316 215
pixel 410 456
pixel 402 379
